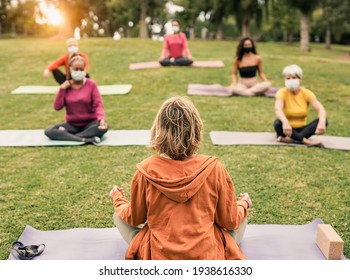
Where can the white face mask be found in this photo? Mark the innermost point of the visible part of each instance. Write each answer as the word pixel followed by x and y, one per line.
pixel 73 49
pixel 176 29
pixel 78 75
pixel 292 84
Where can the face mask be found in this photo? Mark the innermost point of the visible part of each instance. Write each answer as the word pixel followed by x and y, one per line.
pixel 248 49
pixel 176 29
pixel 73 49
pixel 292 84
pixel 78 75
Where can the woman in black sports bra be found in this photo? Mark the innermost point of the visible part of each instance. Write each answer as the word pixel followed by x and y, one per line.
pixel 248 63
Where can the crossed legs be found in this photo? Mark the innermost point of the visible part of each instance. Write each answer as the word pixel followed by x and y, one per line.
pixel 129 232
pixel 68 132
pixel 299 135
pixel 180 61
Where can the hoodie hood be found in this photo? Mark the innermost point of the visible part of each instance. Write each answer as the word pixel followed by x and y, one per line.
pixel 178 180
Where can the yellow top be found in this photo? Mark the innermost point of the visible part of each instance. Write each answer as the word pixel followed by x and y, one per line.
pixel 295 106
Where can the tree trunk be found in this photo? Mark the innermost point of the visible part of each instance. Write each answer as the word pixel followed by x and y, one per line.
pixel 219 31
pixel 328 36
pixel 192 34
pixel 245 26
pixel 143 24
pixel 290 37
pixel 304 32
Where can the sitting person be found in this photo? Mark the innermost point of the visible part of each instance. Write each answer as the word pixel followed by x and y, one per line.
pixel 291 108
pixel 247 62
pixel 182 205
pixel 60 77
pixel 85 117
pixel 174 46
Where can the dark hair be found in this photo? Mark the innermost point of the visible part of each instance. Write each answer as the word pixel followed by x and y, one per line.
pixel 175 20
pixel 240 50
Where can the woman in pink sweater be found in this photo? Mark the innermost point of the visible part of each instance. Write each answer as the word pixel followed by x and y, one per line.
pixel 175 45
pixel 85 117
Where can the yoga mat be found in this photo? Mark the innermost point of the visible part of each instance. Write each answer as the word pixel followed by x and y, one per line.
pixel 104 89
pixel 260 242
pixel 225 138
pixel 76 244
pixel 219 90
pixel 36 137
pixel 156 64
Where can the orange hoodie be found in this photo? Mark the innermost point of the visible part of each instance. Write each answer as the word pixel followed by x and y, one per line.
pixel 187 206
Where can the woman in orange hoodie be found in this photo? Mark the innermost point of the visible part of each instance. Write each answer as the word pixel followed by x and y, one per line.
pixel 182 205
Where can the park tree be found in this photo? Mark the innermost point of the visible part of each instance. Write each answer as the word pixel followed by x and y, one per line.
pixel 335 19
pixel 21 17
pixel 282 22
pixel 221 9
pixel 306 8
pixel 192 9
pixel 123 12
pixel 246 10
pixel 3 15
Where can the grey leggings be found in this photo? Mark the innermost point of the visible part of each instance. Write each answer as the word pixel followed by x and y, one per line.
pixel 66 131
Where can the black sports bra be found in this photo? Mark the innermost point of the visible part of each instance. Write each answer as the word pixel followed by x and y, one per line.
pixel 248 71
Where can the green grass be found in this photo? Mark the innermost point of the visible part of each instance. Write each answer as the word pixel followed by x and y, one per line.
pixel 55 188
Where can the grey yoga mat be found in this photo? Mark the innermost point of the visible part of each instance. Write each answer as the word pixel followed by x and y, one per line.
pixel 225 138
pixel 36 137
pixel 219 90
pixel 260 242
pixel 104 89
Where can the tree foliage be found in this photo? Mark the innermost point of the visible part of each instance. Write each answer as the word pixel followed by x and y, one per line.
pixel 272 19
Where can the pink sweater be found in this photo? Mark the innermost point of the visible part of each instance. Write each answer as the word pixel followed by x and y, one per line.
pixel 175 45
pixel 83 105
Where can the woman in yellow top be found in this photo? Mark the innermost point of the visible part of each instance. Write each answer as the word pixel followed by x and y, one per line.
pixel 291 108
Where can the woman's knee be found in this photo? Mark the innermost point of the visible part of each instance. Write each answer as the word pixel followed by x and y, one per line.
pixel 49 131
pixel 277 124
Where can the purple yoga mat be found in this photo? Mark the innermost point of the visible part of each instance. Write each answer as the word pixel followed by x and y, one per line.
pixel 260 242
pixel 219 90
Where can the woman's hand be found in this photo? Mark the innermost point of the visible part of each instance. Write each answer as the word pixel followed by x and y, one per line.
pixel 66 84
pixel 103 124
pixel 46 73
pixel 287 129
pixel 246 198
pixel 116 189
pixel 321 128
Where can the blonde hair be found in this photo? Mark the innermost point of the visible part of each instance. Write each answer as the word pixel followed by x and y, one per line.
pixel 293 70
pixel 71 40
pixel 177 129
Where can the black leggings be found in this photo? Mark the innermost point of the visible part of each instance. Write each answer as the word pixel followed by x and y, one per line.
pixel 60 77
pixel 74 133
pixel 298 134
pixel 180 61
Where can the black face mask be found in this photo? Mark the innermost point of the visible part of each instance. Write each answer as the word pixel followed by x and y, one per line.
pixel 248 49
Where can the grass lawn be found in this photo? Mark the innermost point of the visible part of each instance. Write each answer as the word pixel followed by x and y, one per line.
pixel 53 188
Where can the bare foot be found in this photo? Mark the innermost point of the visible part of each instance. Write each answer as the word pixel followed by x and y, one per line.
pixel 312 143
pixel 285 139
